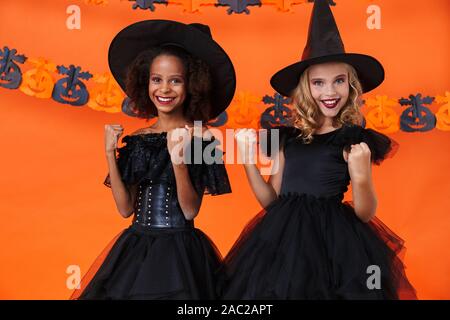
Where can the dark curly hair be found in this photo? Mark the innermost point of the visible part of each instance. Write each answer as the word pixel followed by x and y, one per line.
pixel 197 105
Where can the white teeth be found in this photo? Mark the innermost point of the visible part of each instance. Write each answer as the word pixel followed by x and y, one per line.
pixel 330 103
pixel 164 99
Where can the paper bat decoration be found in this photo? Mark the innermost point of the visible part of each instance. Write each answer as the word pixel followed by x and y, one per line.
pixel 238 6
pixel 147 4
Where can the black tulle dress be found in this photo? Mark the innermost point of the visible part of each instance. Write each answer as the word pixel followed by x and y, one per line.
pixel 161 255
pixel 308 244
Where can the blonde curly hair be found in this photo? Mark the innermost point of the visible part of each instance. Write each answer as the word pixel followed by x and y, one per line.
pixel 306 114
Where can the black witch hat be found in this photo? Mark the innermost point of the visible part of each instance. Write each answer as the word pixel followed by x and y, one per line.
pixel 195 38
pixel 324 45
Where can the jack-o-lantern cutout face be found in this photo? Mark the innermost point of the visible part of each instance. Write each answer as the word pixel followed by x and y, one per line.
pixel 71 90
pixel 244 112
pixel 382 117
pixel 277 114
pixel 443 114
pixel 10 73
pixel 417 117
pixel 106 95
pixel 38 82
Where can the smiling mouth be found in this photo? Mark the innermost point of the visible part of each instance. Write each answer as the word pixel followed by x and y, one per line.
pixel 330 103
pixel 165 100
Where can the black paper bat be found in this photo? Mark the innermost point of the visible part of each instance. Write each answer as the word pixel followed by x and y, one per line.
pixel 238 6
pixel 147 4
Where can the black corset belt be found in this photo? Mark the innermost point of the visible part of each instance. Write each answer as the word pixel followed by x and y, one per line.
pixel 157 206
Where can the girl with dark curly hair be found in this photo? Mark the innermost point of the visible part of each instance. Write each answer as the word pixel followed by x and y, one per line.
pixel 179 74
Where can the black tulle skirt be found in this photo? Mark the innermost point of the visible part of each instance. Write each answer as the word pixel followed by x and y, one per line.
pixel 302 247
pixel 143 263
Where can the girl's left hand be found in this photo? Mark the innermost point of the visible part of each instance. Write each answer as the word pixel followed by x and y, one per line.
pixel 359 163
pixel 177 140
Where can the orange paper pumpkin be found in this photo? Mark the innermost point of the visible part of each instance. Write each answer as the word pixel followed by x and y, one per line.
pixel 96 2
pixel 106 95
pixel 38 82
pixel 443 114
pixel 193 6
pixel 283 5
pixel 382 117
pixel 243 111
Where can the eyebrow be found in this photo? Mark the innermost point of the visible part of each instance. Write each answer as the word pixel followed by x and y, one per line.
pixel 338 76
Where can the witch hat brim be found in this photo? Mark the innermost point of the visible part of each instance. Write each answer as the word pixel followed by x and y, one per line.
pixel 325 45
pixel 370 71
pixel 194 38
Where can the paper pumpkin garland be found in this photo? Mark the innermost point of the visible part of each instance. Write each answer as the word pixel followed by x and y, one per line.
pixel 193 6
pixel 248 110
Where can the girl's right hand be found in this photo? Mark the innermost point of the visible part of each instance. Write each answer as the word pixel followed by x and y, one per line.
pixel 246 142
pixel 112 135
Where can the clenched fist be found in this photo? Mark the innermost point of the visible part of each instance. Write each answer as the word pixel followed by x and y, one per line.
pixel 246 142
pixel 177 140
pixel 112 135
pixel 358 161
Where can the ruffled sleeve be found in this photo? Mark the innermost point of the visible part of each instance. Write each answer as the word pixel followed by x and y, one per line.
pixel 207 170
pixel 142 157
pixel 122 159
pixel 381 146
pixel 276 139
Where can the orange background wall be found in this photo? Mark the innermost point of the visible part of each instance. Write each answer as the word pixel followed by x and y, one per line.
pixel 55 211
